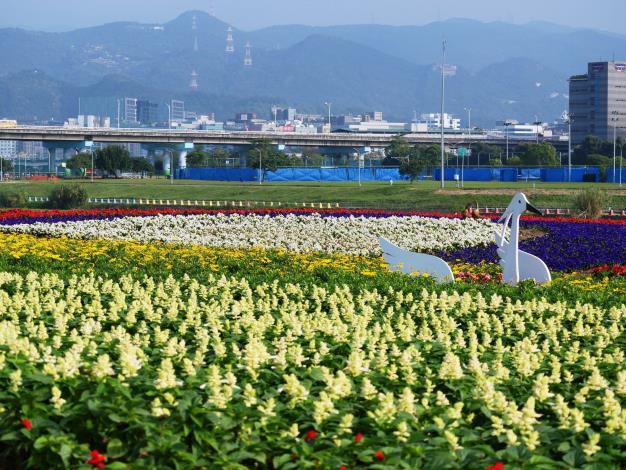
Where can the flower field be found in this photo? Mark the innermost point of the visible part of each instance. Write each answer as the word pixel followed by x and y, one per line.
pixel 139 340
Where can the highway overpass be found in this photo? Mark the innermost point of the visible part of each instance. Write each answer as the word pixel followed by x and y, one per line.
pixel 164 137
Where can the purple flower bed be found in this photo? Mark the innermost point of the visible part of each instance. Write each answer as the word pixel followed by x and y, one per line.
pixel 568 246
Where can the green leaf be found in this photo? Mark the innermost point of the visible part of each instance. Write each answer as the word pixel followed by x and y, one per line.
pixel 115 449
pixel 65 453
pixel 116 466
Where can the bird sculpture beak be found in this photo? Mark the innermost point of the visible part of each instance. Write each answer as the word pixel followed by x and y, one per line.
pixel 533 209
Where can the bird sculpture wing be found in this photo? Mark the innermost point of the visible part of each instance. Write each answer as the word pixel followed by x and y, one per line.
pixel 415 264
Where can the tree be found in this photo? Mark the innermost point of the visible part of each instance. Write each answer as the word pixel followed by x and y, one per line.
pixel 197 159
pixel 543 154
pixel 592 145
pixel 80 161
pixel 420 158
pixel 262 154
pixel 141 165
pixel 484 152
pixel 113 159
pixel 7 165
pixel 399 149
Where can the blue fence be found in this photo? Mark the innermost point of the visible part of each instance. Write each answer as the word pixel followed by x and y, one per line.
pixel 559 174
pixel 291 174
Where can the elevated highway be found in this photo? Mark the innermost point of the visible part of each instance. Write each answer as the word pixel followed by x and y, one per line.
pixel 165 137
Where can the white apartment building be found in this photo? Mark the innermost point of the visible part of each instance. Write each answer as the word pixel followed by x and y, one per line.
pixel 8 149
pixel 433 121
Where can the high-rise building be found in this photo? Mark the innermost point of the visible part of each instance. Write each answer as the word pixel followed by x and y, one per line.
pixel 147 112
pixel 130 110
pixel 597 101
pixel 177 111
pixel 285 114
pixel 433 121
pixel 8 149
pixel 247 61
pixel 230 42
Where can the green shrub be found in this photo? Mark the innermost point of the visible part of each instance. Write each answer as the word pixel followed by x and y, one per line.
pixel 591 202
pixel 12 199
pixel 67 197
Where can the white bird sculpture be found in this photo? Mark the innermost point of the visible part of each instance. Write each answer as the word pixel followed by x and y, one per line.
pixel 415 263
pixel 517 265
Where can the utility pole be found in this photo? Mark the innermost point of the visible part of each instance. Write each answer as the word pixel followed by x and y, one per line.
pixel 614 151
pixel 330 128
pixel 443 94
pixel 569 148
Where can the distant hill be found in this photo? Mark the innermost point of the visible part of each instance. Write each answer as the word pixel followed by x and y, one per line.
pixel 503 70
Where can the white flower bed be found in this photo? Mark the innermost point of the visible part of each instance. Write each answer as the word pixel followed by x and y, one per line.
pixel 350 235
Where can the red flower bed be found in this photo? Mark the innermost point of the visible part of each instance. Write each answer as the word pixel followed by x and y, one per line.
pixel 612 270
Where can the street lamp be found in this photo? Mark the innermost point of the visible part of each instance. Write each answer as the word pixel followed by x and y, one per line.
pixel 537 123
pixel 507 123
pixel 443 96
pixel 615 121
pixel 570 119
pixel 329 104
pixel 169 116
pixel 260 166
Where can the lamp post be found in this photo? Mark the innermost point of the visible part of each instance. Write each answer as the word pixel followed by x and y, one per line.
pixel 507 123
pixel 260 166
pixel 469 121
pixel 569 148
pixel 614 147
pixel 329 104
pixel 441 121
pixel 169 116
pixel 537 123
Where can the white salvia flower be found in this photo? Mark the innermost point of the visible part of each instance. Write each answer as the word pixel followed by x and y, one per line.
pixel 166 375
pixel 541 388
pixel 450 367
pixel 402 432
pixel 56 399
pixel 103 367
pixel 16 380
pixel 249 395
pixel 453 441
pixel 295 390
pixel 323 407
pixel 345 425
pixel 368 390
pixel 591 447
pixel 158 410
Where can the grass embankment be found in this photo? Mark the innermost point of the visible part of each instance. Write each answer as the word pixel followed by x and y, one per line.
pixel 400 195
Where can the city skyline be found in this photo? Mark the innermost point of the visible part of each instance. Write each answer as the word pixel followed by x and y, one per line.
pixel 249 14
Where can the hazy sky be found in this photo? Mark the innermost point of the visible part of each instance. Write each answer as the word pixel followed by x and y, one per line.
pixel 251 14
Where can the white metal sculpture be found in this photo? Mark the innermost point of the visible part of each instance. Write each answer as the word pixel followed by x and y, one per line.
pixel 415 263
pixel 517 265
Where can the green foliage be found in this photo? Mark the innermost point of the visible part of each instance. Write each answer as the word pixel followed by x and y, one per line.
pixel 262 154
pixel 113 159
pixel 12 199
pixel 592 146
pixel 7 165
pixel 80 161
pixel 141 165
pixel 419 159
pixel 543 154
pixel 197 159
pixel 399 149
pixel 591 202
pixel 67 197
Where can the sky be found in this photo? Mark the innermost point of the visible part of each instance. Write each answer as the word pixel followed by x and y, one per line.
pixel 63 15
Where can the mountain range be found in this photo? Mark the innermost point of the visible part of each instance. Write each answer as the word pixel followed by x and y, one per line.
pixel 502 70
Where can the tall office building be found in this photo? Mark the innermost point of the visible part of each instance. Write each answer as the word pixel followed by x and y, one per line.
pixel 8 149
pixel 130 110
pixel 597 101
pixel 147 112
pixel 178 110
